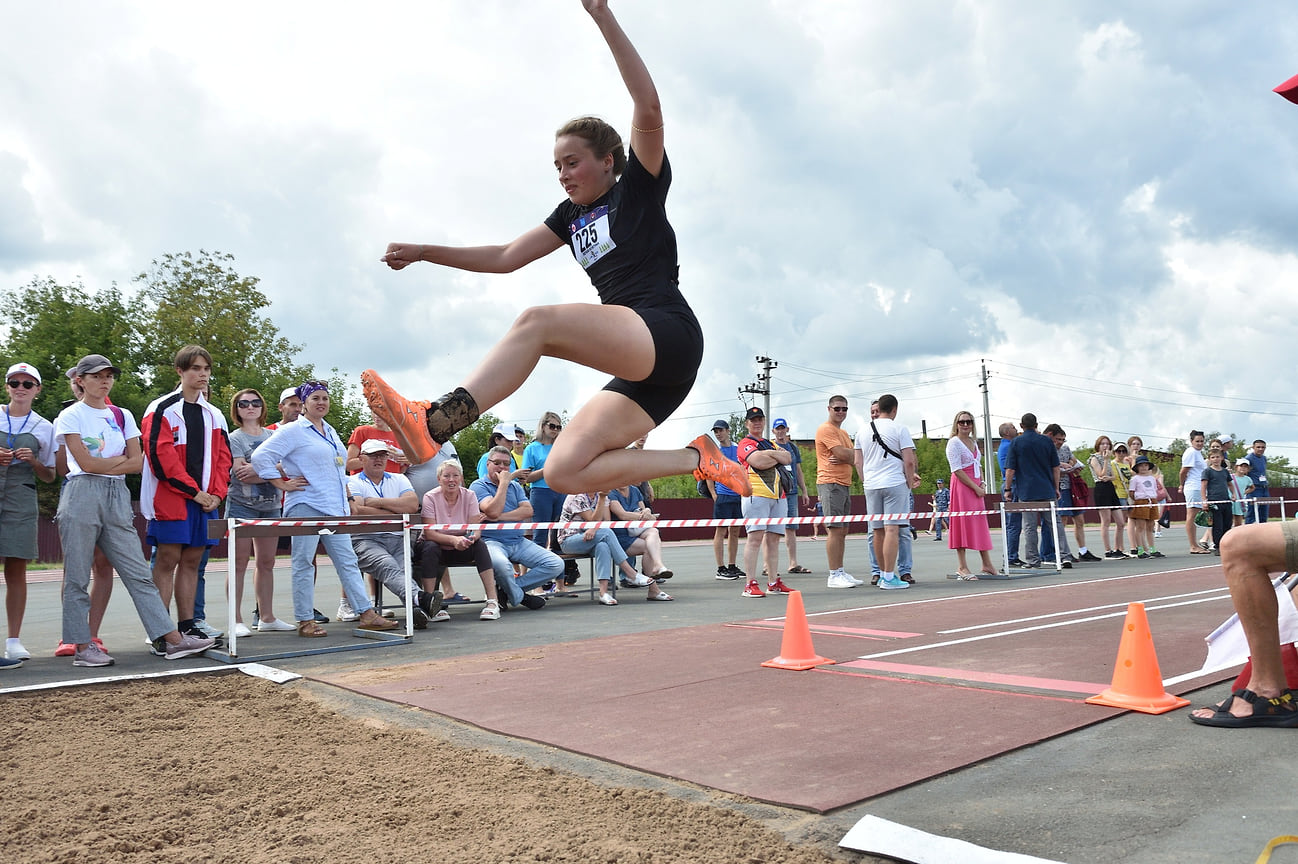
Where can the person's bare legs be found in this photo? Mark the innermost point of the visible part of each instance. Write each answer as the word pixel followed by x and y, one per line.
pixel 1191 530
pixel 1106 516
pixel 791 542
pixel 1120 523
pixel 263 577
pixel 591 452
pixel 771 555
pixel 752 548
pixel 885 539
pixel 962 562
pixel 15 594
pixel 1079 531
pixel 1249 555
pixel 835 542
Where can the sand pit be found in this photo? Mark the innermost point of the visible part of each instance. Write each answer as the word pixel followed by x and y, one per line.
pixel 231 768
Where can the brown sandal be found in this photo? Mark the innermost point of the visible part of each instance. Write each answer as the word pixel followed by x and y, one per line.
pixel 311 629
pixel 371 620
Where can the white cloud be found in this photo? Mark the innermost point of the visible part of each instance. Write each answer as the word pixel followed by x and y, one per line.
pixel 884 193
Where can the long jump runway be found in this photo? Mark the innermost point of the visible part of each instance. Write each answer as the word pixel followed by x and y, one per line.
pixel 921 687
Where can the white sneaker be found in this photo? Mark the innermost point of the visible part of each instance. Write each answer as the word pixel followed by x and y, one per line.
pixel 851 578
pixel 346 612
pixel 241 630
pixel 278 625
pixel 14 650
pixel 840 580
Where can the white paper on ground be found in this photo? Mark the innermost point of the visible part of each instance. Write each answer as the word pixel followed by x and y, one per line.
pixel 270 673
pixel 881 837
pixel 1227 646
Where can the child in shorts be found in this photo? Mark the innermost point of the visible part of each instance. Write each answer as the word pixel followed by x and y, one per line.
pixel 1145 488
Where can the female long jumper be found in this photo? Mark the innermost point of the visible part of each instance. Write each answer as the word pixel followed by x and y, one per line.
pixel 643 332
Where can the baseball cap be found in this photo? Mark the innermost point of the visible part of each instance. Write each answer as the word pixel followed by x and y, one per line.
pixel 287 394
pixel 1226 439
pixel 376 445
pixel 1242 461
pixel 754 413
pixel 720 424
pixel 504 430
pixel 93 363
pixel 780 421
pixel 939 481
pixel 25 369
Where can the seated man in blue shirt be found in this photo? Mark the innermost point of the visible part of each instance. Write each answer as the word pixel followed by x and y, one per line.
pixel 502 499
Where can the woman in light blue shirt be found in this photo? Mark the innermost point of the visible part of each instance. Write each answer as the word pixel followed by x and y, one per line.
pixel 314 482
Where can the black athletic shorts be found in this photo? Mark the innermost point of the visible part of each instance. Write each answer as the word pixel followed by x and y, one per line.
pixel 678 351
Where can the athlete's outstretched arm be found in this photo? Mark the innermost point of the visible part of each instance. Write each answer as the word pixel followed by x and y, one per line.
pixel 506 258
pixel 647 114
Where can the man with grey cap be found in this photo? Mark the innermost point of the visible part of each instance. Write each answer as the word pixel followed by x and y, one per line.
pixel 726 504
pixel 95 510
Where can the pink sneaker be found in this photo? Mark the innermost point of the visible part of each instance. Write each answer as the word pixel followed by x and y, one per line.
pixel 65 650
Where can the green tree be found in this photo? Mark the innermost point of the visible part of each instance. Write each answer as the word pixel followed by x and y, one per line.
pixel 52 326
pixel 472 442
pixel 201 300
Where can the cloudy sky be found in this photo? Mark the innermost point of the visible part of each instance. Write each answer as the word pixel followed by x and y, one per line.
pixel 1099 200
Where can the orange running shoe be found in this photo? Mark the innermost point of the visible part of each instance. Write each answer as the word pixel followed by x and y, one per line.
pixel 714 466
pixel 407 418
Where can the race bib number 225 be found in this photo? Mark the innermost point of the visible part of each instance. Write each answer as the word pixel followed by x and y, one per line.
pixel 591 239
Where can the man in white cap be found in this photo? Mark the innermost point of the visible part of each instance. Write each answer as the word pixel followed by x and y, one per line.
pixel 290 407
pixel 376 491
pixel 502 435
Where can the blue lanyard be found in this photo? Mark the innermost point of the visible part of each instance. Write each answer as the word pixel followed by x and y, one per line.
pixel 378 490
pixel 324 436
pixel 12 438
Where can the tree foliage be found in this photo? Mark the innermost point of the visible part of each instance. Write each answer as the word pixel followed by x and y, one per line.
pixel 182 299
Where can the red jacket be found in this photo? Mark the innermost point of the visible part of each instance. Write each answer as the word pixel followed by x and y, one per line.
pixel 167 484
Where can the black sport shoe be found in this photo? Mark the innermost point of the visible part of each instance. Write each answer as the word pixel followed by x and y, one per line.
pixel 217 641
pixel 1087 556
pixel 455 411
pixel 531 601
pixel 724 574
pixel 319 617
pixel 739 574
pixel 1016 562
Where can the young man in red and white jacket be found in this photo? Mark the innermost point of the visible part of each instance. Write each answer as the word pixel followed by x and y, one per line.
pixel 186 475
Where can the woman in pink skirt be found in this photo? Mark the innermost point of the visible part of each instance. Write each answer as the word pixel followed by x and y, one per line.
pixel 967 491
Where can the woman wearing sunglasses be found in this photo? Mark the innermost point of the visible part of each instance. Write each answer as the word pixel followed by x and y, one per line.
pixel 547 505
pixel 967 491
pixel 314 482
pixel 251 497
pixel 27 454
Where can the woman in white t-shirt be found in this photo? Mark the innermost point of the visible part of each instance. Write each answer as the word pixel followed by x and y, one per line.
pixel 103 446
pixel 27 455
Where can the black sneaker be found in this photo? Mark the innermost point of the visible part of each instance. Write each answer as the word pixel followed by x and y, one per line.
pixel 1016 562
pixel 1067 565
pixel 739 574
pixel 1087 556
pixel 158 647
pixel 217 641
pixel 319 617
pixel 571 573
pixel 256 617
pixel 724 574
pixel 531 601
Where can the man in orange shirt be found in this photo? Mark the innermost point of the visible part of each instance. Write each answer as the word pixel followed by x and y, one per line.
pixel 834 459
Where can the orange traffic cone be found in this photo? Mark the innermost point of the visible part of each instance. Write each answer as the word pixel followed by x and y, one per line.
pixel 1137 683
pixel 796 651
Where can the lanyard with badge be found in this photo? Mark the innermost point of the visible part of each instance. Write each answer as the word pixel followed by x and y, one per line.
pixel 338 459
